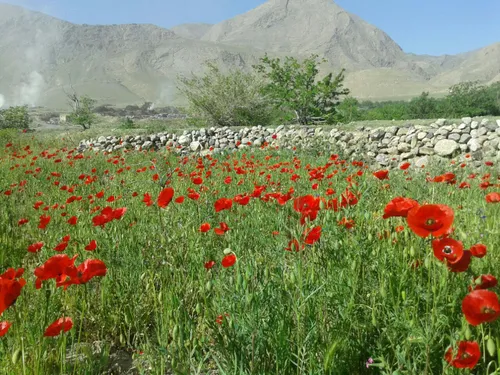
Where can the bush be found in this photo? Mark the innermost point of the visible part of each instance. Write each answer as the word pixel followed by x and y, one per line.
pixel 232 99
pixel 15 117
pixel 83 111
pixel 127 123
pixel 292 86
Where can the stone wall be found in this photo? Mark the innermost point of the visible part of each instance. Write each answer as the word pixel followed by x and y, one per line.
pixel 385 146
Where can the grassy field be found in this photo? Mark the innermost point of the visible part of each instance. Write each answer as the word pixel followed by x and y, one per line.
pixel 264 262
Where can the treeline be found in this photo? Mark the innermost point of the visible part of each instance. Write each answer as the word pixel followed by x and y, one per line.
pixel 290 91
pixel 466 99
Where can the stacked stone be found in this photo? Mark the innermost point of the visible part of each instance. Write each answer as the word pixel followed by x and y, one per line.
pixel 383 146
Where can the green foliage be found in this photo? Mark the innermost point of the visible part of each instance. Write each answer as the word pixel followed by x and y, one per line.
pixel 470 99
pixel 393 110
pixel 367 292
pixel 347 111
pixel 127 123
pixel 292 86
pixel 464 99
pixel 231 99
pixel 15 117
pixel 83 111
pixel 422 106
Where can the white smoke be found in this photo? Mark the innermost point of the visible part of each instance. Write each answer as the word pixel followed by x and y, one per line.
pixel 2 100
pixel 29 92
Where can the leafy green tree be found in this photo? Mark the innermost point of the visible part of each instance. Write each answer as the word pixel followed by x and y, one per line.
pixel 388 111
pixel 15 117
pixel 292 86
pixel 83 111
pixel 470 99
pixel 348 111
pixel 227 99
pixel 422 107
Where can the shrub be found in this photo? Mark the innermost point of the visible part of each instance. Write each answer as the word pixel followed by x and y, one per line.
pixel 127 123
pixel 82 114
pixel 15 117
pixel 231 99
pixel 292 86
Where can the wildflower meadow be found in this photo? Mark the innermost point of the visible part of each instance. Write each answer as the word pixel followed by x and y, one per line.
pixel 262 261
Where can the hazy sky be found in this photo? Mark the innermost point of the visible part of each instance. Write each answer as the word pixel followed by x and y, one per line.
pixel 432 27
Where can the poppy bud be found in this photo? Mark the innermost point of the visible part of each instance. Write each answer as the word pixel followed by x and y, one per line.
pixel 208 286
pixel 227 251
pixel 403 295
pixel 382 291
pixel 468 333
pixel 412 251
pixel 198 308
pixel 490 346
pixel 15 356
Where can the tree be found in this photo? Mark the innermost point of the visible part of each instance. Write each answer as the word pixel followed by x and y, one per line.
pixel 15 117
pixel 423 107
pixel 348 111
pixel 292 86
pixel 83 111
pixel 227 99
pixel 470 99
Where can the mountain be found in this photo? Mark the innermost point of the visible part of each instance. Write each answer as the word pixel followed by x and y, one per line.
pixel 42 57
pixel 191 30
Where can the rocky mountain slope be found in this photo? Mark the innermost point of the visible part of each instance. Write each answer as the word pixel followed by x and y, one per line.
pixel 41 56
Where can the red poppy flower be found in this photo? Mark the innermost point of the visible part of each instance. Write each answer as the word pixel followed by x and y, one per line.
pixel 148 200
pixel 165 197
pixel 91 246
pixel 467 356
pixel 399 206
pixel 493 197
pixel 72 220
pixel 205 227
pixel 481 306
pixel 180 199
pixel 22 222
pixel 313 235
pixel 347 223
pixel 208 265
pixel 431 219
pixel 223 204
pixel 60 325
pixel 228 260
pixel 242 200
pixel 44 221
pixel 294 245
pixel 223 228
pixel 61 247
pixel 197 180
pixel 404 166
pixel 57 267
pixel 485 282
pixel 447 248
pixel 382 174
pixel 11 285
pixel 462 264
pixel 478 250
pixel 89 269
pixel 4 328
pixel 35 247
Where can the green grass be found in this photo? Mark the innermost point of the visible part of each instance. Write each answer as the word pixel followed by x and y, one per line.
pixel 351 296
